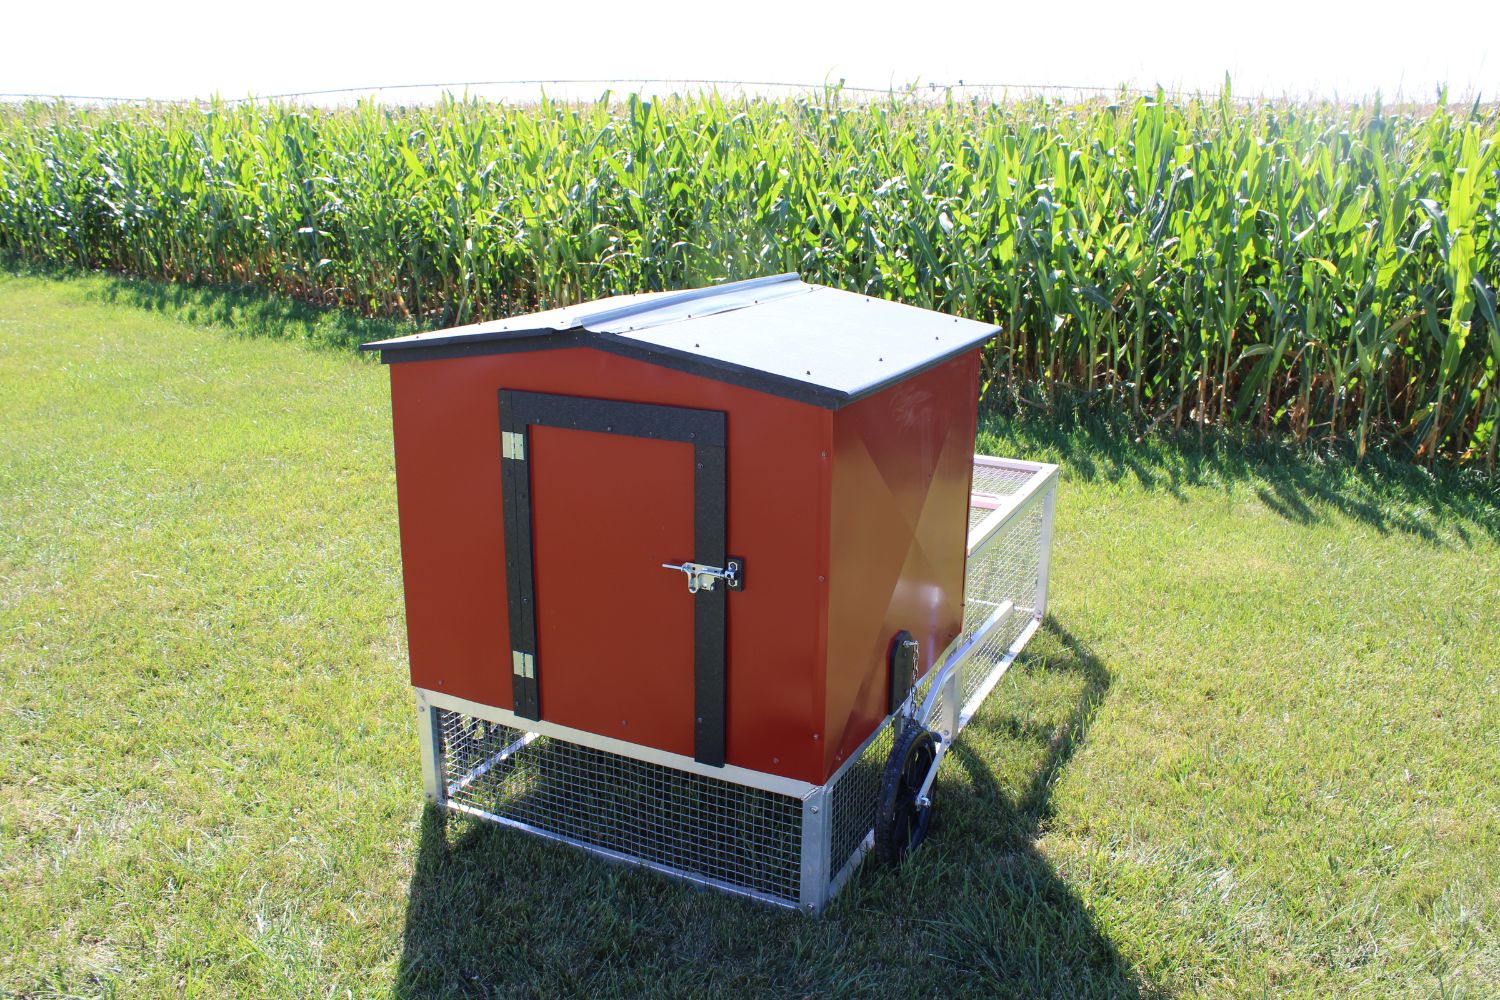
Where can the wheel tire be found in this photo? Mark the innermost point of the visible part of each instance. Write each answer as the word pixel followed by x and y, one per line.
pixel 900 824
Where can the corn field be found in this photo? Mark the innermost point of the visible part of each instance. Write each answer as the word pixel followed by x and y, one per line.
pixel 1314 272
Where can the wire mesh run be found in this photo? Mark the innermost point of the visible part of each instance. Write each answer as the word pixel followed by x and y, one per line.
pixel 852 799
pixel 991 485
pixel 999 480
pixel 741 837
pixel 1006 568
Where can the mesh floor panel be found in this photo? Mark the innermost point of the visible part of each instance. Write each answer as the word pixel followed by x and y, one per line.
pixel 741 836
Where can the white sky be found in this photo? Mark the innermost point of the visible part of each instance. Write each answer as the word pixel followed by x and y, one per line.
pixel 1270 47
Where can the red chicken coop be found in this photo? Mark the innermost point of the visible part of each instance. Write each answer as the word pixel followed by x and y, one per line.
pixel 690 577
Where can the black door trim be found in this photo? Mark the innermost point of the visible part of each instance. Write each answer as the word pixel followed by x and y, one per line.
pixel 705 431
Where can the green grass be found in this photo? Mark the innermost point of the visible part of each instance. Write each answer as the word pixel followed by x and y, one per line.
pixel 1254 751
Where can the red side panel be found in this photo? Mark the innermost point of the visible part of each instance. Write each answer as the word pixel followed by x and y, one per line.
pixel 902 464
pixel 452 535
pixel 614 629
pixel 448 482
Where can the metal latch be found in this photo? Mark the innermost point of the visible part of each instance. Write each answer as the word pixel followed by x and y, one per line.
pixel 701 577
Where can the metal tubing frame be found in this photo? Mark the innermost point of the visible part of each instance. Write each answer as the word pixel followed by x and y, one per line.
pixel 1043 481
pixel 818 885
pixel 813 896
pixel 1044 566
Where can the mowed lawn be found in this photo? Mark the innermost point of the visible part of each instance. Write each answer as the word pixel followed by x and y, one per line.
pixel 1255 751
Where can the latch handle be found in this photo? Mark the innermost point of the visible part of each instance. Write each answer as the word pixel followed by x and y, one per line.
pixel 701 577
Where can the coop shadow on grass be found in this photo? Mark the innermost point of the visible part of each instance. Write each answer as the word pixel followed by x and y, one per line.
pixel 998 905
pixel 978 910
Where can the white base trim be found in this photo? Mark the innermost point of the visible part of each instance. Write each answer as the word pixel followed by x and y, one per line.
pixel 729 772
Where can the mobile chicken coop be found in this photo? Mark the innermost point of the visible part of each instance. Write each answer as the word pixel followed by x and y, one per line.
pixel 708 581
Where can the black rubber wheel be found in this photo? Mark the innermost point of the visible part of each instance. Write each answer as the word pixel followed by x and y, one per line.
pixel 900 824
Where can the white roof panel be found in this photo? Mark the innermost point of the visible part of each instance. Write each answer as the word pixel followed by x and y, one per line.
pixel 776 334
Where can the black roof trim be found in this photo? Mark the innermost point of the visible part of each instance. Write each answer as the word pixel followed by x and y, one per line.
pixel 688 363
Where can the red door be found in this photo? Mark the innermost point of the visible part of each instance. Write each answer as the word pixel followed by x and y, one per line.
pixel 599 494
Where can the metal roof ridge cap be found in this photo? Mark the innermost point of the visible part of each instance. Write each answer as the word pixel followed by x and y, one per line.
pixel 587 320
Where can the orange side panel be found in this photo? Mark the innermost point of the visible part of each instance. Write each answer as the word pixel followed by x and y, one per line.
pixel 448 483
pixel 902 466
pixel 614 629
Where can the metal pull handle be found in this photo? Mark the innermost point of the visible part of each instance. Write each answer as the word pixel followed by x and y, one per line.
pixel 701 577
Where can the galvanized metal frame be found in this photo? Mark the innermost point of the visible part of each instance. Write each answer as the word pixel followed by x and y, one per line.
pixel 432 751
pixel 936 702
pixel 815 890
